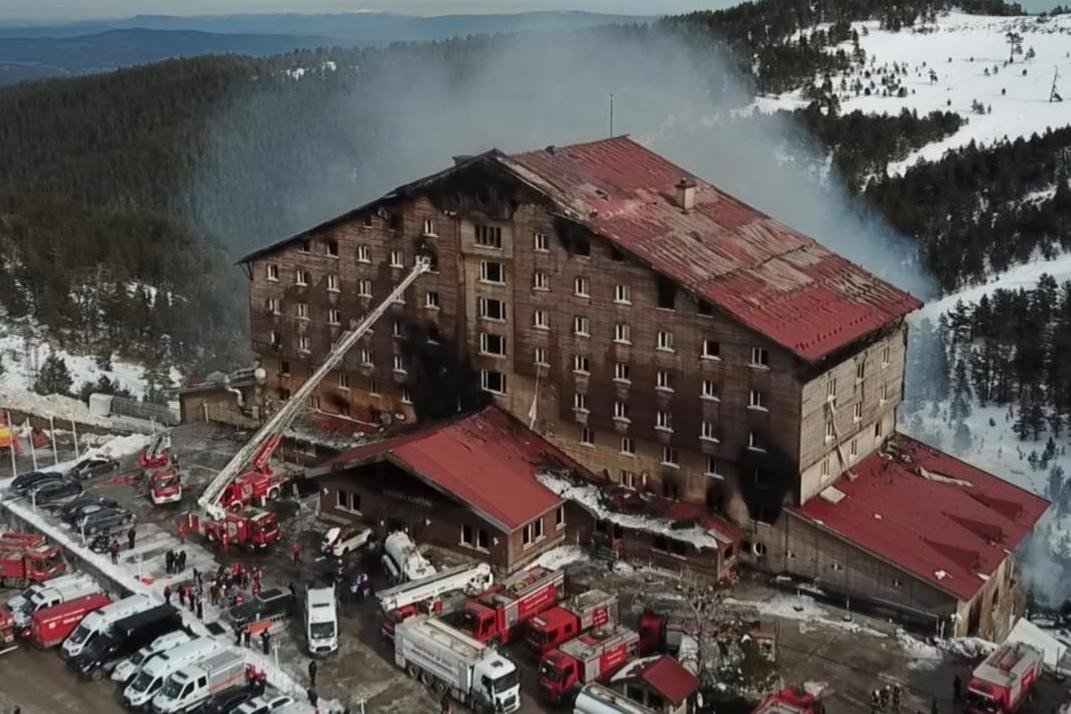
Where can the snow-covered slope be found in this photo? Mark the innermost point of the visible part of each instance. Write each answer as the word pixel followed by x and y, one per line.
pixel 961 49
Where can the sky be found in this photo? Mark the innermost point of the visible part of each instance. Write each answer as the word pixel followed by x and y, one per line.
pixel 66 10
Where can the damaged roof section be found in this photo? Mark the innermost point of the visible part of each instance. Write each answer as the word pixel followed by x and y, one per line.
pixel 933 515
pixel 633 510
pixel 487 460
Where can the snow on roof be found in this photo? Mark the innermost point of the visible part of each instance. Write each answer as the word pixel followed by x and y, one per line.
pixel 52 405
pixel 707 531
pixel 1027 632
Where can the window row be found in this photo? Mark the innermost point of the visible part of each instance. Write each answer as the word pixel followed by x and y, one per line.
pixel 708 432
pixel 334 316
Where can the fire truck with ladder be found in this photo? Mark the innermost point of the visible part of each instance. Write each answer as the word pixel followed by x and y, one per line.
pixel 1005 679
pixel 225 518
pixel 158 453
pixel 498 614
pixel 426 595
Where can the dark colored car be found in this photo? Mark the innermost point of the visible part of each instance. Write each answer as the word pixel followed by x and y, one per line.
pixel 33 480
pixel 270 604
pixel 73 510
pixel 228 700
pixel 56 493
pixel 93 467
pixel 103 519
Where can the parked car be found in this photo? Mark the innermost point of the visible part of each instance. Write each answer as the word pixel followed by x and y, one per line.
pixel 264 704
pixel 93 467
pixel 228 700
pixel 56 494
pixel 104 519
pixel 39 479
pixel 73 510
pixel 24 480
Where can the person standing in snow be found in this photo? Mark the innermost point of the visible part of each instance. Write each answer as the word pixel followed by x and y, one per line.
pixel 113 550
pixel 167 594
pixel 169 562
pixel 131 537
pixel 312 673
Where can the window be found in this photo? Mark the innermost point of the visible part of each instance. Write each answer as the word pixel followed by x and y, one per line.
pixel 582 364
pixel 343 380
pixel 491 309
pixel 713 467
pixel 332 283
pixel 709 390
pixel 628 479
pixel 616 255
pixel 621 410
pixel 399 364
pixel 274 306
pixel 367 358
pixel 857 412
pixel 348 500
pixel 302 309
pixel 492 381
pixel 483 539
pixel 830 430
pixel 559 518
pixel 581 287
pixel 754 441
pixel 760 357
pixel 623 333
pixel 284 367
pixel 364 288
pixel 853 448
pixel 665 341
pixel 331 247
pixel 431 300
pixel 860 370
pixel 334 317
pixel 273 272
pixel 831 388
pixel 628 446
pixel 704 308
pixel 429 227
pixel 884 393
pixel 825 466
pixel 757 400
pixel 541 357
pixel 433 335
pixel 397 259
pixel 540 281
pixel 488 236
pixel 303 344
pixel 306 246
pixel 581 246
pixel 373 387
pixel 581 326
pixel 540 320
pixel 662 381
pixel 364 255
pixel 314 402
pixel 275 339
pixel 623 294
pixel 662 420
pixel 669 456
pixel 580 402
pixel 587 436
pixel 302 277
pixel 399 299
pixel 622 372
pixel 407 398
pixel 533 532
pixel 492 272
pixel 491 344
pixel 885 356
pixel 542 243
pixel 711 349
pixel 368 220
pixel 877 429
pixel 468 536
pixel 667 294
pixel 707 431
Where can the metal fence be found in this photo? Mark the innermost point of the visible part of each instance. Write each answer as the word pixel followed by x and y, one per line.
pixel 123 406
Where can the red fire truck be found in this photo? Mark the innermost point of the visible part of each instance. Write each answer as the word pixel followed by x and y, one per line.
pixel 26 559
pixel 498 614
pixel 663 632
pixel 1005 679
pixel 158 453
pixel 592 657
pixel 260 485
pixel 7 630
pixel 552 627
pixel 790 701
pixel 252 530
pixel 165 485
pixel 52 625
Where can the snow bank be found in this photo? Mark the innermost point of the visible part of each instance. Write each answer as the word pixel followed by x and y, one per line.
pixel 968 647
pixel 52 405
pixel 561 556
pixel 922 654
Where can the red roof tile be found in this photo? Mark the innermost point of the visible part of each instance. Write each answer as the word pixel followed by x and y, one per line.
pixel 952 534
pixel 763 274
pixel 487 460
pixel 664 675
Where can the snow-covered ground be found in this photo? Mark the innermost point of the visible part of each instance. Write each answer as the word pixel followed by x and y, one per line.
pixel 975 44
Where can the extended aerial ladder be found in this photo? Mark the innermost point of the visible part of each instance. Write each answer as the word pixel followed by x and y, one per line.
pixel 258 450
pixel 426 595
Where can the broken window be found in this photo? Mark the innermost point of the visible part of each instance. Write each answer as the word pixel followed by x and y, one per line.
pixel 670 488
pixel 711 349
pixel 581 246
pixel 488 236
pixel 431 299
pixel 468 536
pixel 331 247
pixel 713 466
pixel 667 293
pixel 306 245
pixel 705 308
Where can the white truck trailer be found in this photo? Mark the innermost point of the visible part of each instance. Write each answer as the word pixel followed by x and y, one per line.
pixel 445 659
pixel 595 698
pixel 49 594
pixel 187 688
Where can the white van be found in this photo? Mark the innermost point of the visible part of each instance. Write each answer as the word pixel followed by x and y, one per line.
pixel 54 592
pixel 187 688
pixel 129 667
pixel 321 621
pixel 139 693
pixel 99 621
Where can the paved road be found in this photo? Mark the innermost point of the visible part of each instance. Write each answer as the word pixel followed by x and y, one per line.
pixel 38 681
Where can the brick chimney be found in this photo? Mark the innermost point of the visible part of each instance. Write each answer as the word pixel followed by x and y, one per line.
pixel 686 194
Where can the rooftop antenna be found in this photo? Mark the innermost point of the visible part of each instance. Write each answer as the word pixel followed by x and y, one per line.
pixel 611 115
pixel 1054 96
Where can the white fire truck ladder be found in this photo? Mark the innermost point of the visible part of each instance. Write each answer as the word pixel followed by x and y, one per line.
pixel 281 419
pixel 448 581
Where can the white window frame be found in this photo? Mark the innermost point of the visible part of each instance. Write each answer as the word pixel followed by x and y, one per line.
pixel 485 344
pixel 304 344
pixel 540 320
pixel 343 381
pixel 670 457
pixel 883 394
pixel 486 235
pixel 334 316
pixel 407 397
pixel 332 283
pixel 540 281
pixel 482 304
pixel 582 326
pixel 623 294
pixel 367 357
pixel 713 468
pixel 398 364
pixel 708 431
pixel 860 370
pixel 622 368
pixel 628 479
pixel 663 381
pixel 275 306
pixel 886 356
pixel 364 254
pixel 830 430
pixel 541 357
pixel 621 411
pixel 485 273
pixel 581 364
pixel 580 402
pixel 485 375
pixel 302 277
pixel 431 300
pixel 587 436
pixel 273 272
pixel 754 443
pixel 824 470
pixel 760 358
pixel 623 333
pixel 301 310
pixel 706 354
pixel 628 446
pixel 396 259
pixel 665 341
pixel 708 390
pixel 757 400
pixel 328 245
pixel 831 388
pixel 540 242
pixel 663 421
pixel 581 286
pixel 364 288
pixel 857 412
pixel 853 449
pixel 429 228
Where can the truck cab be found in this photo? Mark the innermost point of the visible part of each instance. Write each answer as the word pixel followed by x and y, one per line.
pixel 129 667
pixel 165 486
pixel 21 565
pixel 321 621
pixel 501 683
pixel 480 621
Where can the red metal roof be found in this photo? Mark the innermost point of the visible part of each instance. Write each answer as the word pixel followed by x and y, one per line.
pixel 487 460
pixel 664 675
pixel 765 275
pixel 931 514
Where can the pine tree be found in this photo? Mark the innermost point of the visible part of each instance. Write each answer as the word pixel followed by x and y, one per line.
pixel 960 408
pixel 53 377
pixel 961 440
